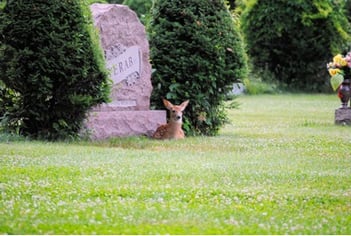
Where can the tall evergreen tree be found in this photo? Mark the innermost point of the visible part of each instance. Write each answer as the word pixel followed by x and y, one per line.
pixel 50 66
pixel 295 39
pixel 197 53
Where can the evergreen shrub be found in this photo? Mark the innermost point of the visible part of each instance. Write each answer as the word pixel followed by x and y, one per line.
pixel 197 53
pixel 115 1
pixel 141 7
pixel 348 10
pixel 51 69
pixel 295 39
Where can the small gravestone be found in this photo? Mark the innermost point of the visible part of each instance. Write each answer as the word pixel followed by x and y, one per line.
pixel 343 116
pixel 126 48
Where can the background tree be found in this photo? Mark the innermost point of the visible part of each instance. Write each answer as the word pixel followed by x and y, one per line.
pixel 115 1
pixel 198 54
pixel 51 67
pixel 295 39
pixel 141 7
pixel 231 4
pixel 348 9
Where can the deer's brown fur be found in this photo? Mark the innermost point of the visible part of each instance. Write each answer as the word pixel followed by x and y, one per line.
pixel 173 129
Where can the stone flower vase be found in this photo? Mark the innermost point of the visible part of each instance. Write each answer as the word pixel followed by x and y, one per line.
pixel 344 93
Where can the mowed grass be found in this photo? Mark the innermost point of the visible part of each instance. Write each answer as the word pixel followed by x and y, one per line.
pixel 280 167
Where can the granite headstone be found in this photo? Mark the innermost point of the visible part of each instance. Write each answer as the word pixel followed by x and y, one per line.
pixel 126 48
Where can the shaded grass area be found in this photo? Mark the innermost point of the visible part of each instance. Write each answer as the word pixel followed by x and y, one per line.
pixel 280 167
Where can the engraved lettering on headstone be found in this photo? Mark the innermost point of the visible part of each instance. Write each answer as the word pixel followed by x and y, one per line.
pixel 124 64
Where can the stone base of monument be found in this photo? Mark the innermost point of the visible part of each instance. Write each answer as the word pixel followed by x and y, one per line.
pixel 343 116
pixel 106 124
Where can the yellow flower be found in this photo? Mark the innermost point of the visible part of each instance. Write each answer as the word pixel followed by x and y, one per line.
pixel 333 72
pixel 339 60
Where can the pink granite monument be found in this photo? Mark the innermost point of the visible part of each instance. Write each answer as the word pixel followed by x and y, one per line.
pixel 123 39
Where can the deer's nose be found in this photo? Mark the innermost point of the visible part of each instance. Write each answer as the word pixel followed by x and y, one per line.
pixel 178 117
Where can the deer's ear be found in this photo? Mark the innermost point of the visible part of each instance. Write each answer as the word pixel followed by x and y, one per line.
pixel 167 104
pixel 184 105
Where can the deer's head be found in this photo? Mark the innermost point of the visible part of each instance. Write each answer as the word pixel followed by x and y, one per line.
pixel 176 111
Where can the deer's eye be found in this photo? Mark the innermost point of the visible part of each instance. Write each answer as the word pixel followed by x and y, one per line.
pixel 173 111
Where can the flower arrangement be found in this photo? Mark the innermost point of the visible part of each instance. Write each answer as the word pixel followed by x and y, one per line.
pixel 339 68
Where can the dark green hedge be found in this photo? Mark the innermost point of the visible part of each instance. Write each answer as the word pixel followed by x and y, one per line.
pixel 115 1
pixel 197 52
pixel 50 66
pixel 141 7
pixel 295 39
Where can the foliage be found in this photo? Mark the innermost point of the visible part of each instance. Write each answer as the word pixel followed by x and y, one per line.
pixel 348 9
pixel 255 86
pixel 115 1
pixel 52 66
pixel 231 4
pixel 89 2
pixel 141 7
pixel 276 171
pixel 236 5
pixel 286 38
pixel 8 103
pixel 197 53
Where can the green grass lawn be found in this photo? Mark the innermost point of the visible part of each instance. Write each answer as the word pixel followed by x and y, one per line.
pixel 280 167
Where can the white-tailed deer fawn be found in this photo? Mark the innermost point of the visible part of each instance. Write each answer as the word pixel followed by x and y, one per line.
pixel 173 129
